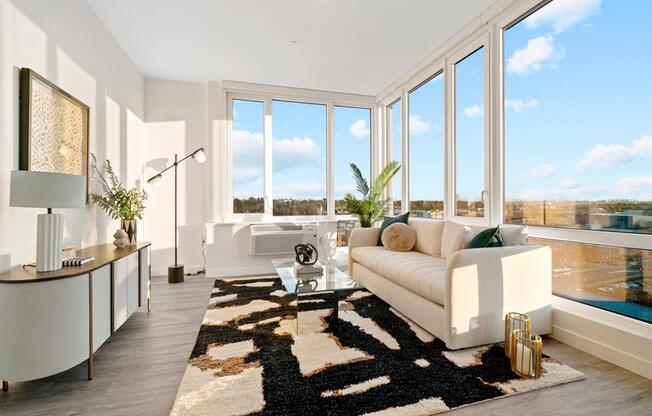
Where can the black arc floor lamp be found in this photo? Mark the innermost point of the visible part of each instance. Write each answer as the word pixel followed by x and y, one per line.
pixel 175 272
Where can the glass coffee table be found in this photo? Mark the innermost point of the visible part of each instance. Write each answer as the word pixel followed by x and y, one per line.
pixel 330 280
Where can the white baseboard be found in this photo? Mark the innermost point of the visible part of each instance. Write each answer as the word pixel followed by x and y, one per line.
pixel 617 339
pixel 218 272
pixel 163 271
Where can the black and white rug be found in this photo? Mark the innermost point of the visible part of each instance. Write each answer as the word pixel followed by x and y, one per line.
pixel 248 359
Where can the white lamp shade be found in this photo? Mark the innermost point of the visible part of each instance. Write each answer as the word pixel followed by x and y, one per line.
pixel 200 156
pixel 47 190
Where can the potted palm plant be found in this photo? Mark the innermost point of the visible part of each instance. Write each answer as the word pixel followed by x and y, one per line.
pixel 120 203
pixel 373 205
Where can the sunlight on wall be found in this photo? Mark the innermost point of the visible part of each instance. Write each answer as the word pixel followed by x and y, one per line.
pixel 163 140
pixel 81 227
pixel 15 26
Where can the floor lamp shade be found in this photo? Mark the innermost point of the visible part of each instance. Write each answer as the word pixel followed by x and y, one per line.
pixel 47 190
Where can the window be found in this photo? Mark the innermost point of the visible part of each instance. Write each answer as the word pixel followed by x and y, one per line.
pixel 298 158
pixel 469 135
pixel 613 278
pixel 248 156
pixel 395 152
pixel 578 144
pixel 426 141
pixel 352 145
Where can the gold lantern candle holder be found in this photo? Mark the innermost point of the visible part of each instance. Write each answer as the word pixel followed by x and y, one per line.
pixel 527 350
pixel 515 321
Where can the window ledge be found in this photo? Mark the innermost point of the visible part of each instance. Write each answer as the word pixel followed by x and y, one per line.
pixel 623 341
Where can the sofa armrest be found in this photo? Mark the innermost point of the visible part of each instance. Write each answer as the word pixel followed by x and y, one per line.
pixel 361 237
pixel 483 284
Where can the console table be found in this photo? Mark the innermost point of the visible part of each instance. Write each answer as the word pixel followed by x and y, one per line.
pixel 53 321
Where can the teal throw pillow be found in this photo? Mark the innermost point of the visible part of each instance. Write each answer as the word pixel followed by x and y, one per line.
pixel 387 221
pixel 487 238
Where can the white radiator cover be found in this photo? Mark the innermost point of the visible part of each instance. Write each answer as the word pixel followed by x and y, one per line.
pixel 276 239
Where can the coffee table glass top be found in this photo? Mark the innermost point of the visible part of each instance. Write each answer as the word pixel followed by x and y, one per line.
pixel 330 279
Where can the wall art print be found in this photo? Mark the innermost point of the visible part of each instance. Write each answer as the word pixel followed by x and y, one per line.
pixel 53 127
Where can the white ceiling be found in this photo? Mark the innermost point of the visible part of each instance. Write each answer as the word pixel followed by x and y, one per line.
pixel 355 46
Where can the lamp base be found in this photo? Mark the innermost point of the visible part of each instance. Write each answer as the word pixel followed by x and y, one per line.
pixel 49 239
pixel 175 273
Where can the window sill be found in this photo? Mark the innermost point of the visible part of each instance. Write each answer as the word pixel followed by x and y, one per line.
pixel 623 341
pixel 255 219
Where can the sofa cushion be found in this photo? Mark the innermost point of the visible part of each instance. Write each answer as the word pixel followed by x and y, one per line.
pixel 419 273
pixel 387 221
pixel 487 238
pixel 459 241
pixel 514 235
pixel 428 236
pixel 399 237
pixel 451 230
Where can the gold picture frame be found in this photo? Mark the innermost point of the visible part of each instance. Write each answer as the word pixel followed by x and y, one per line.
pixel 54 128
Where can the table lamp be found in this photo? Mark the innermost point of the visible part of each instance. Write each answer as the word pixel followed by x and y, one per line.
pixel 47 190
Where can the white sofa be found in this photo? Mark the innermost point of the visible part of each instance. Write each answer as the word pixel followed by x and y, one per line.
pixel 462 300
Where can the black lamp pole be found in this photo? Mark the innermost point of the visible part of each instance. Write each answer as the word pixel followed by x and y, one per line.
pixel 176 271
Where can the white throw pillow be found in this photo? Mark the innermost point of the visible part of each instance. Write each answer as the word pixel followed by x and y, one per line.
pixel 451 230
pixel 460 240
pixel 514 235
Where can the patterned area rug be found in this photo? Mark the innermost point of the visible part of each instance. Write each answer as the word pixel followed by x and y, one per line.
pixel 371 360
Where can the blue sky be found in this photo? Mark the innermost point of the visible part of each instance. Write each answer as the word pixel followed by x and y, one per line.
pixel 578 85
pixel 578 117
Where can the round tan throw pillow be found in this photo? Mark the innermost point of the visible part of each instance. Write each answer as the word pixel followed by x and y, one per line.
pixel 399 237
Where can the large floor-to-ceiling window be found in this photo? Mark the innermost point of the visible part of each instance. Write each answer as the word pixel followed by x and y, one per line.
pixel 469 134
pixel 578 143
pixel 568 149
pixel 352 144
pixel 426 148
pixel 395 145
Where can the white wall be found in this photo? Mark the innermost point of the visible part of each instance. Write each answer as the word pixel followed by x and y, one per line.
pixel 176 122
pixel 64 41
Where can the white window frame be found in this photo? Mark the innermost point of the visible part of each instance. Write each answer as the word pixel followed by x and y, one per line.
pixel 388 140
pixel 483 41
pixel 267 94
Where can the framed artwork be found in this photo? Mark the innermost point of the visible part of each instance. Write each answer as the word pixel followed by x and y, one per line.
pixel 53 128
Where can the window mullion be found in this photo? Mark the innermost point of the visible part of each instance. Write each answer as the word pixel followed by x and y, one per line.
pixel 330 171
pixel 268 143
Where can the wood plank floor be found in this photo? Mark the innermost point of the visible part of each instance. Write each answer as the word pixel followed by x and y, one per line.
pixel 138 371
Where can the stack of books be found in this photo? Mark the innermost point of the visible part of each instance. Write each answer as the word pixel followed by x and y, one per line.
pixel 301 269
pixel 78 261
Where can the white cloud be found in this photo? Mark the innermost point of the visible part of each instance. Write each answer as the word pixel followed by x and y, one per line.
pixel 562 14
pixel 295 151
pixel 248 155
pixel 519 105
pixel 533 56
pixel 420 126
pixel 541 171
pixel 568 183
pixel 473 111
pixel 359 129
pixel 632 186
pixel 612 154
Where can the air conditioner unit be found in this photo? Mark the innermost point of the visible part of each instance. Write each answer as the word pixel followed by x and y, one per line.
pixel 276 239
